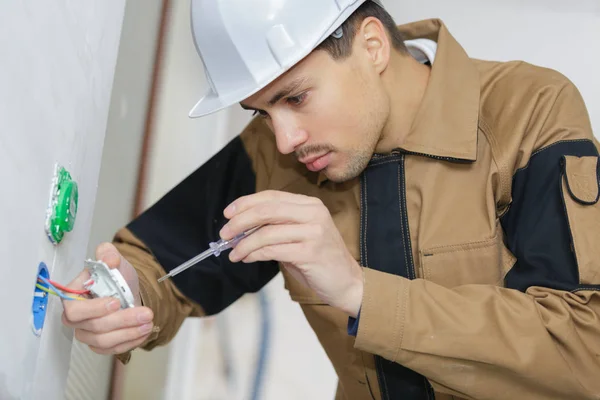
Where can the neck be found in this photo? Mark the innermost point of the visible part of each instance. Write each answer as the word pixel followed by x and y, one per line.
pixel 405 81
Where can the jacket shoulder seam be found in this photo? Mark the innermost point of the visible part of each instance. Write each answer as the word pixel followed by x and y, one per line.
pixel 501 165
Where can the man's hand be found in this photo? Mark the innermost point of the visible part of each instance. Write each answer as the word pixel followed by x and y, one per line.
pixel 100 323
pixel 299 233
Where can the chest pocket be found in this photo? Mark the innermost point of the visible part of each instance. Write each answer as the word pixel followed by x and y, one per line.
pixel 484 262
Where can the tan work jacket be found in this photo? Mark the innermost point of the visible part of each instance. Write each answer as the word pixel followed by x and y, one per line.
pixel 479 237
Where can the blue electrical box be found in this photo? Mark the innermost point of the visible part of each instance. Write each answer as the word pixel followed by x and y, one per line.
pixel 40 301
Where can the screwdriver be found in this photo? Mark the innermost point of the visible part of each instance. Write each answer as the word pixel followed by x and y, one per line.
pixel 216 248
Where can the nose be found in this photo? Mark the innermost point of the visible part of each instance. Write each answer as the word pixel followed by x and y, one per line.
pixel 288 136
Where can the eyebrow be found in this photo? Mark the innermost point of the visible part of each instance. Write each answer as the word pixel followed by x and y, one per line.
pixel 286 91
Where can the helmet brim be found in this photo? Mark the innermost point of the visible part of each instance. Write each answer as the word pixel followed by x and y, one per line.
pixel 208 104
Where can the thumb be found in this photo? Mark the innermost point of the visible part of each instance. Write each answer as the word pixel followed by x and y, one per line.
pixel 108 253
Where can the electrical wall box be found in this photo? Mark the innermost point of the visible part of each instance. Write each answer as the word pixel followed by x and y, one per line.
pixel 40 301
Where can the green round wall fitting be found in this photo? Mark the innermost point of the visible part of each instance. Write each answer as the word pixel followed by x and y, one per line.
pixel 62 210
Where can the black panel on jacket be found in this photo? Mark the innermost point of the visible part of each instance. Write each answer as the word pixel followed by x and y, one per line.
pixel 184 222
pixel 386 247
pixel 537 227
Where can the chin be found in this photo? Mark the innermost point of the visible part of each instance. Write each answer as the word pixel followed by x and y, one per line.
pixel 340 172
pixel 339 176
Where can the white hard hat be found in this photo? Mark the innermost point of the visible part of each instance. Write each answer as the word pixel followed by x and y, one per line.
pixel 246 44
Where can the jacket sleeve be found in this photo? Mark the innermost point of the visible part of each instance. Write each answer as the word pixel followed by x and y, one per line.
pixel 538 337
pixel 182 224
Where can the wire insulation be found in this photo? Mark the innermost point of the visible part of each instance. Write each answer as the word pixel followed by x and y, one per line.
pixel 56 291
pixel 45 289
pixel 66 289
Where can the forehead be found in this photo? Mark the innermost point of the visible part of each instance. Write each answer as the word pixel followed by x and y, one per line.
pixel 307 69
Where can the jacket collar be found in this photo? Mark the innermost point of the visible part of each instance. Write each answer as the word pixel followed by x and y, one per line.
pixel 446 123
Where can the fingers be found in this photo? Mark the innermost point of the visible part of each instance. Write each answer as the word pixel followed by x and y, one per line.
pixel 78 311
pixel 109 340
pixel 268 196
pixel 267 213
pixel 285 253
pixel 272 235
pixel 128 318
pixel 108 331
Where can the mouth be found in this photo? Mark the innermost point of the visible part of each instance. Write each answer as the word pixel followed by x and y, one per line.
pixel 317 163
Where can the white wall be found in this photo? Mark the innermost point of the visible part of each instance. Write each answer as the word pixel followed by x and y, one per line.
pixel 126 120
pixel 56 74
pixel 553 33
pixel 89 373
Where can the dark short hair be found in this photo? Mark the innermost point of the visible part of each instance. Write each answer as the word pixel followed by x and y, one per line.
pixel 342 48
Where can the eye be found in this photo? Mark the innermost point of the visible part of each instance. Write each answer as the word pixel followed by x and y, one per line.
pixel 297 100
pixel 261 113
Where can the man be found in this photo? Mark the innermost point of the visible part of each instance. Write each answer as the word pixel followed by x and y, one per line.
pixel 435 216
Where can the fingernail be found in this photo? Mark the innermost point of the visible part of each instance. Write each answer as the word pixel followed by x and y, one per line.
pixel 144 316
pixel 113 305
pixel 146 328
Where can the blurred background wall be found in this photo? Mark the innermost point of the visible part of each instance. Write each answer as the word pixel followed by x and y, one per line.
pixel 159 77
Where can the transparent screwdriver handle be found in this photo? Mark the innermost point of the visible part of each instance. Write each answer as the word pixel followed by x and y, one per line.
pixel 216 248
pixel 222 245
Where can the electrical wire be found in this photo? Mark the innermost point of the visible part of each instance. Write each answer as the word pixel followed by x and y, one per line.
pixel 56 291
pixel 66 289
pixel 45 289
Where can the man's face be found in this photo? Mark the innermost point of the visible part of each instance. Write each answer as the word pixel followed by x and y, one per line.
pixel 330 113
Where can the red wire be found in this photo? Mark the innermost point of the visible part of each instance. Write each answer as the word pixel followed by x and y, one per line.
pixel 66 289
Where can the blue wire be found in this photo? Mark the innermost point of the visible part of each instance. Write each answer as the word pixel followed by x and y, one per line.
pixel 51 286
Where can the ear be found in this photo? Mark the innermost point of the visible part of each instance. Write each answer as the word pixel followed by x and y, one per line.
pixel 376 42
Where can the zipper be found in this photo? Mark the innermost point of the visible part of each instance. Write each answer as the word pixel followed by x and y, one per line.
pixel 397 152
pixel 449 159
pixel 382 386
pixel 404 215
